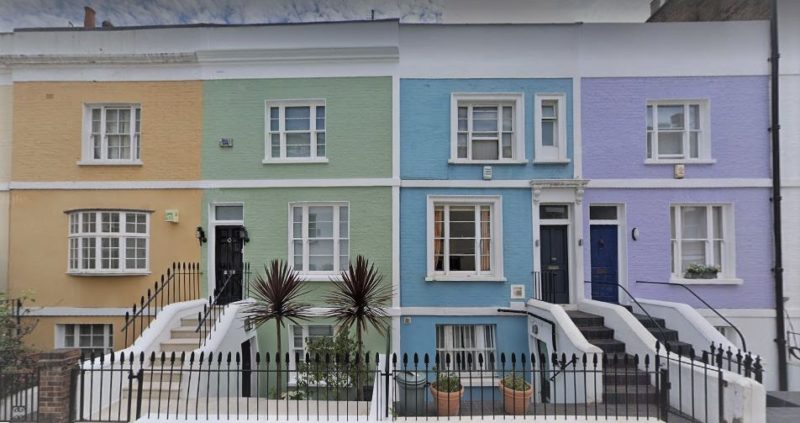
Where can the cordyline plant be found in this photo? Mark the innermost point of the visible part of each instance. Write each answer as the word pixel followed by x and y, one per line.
pixel 276 296
pixel 357 303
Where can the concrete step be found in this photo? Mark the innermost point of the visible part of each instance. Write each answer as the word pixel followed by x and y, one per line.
pixel 620 394
pixel 158 375
pixel 597 332
pixel 185 332
pixel 608 345
pixel 178 345
pixel 648 323
pixel 190 322
pixel 628 376
pixel 679 347
pixel 664 335
pixel 583 319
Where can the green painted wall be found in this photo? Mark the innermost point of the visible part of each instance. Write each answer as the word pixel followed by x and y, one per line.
pixel 358 127
pixel 266 217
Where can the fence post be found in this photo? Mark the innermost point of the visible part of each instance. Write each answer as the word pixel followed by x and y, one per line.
pixel 721 401
pixel 139 381
pixel 55 377
pixel 663 391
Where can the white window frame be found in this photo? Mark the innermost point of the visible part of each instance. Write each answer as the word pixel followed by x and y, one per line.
pixel 87 143
pixel 61 336
pixel 306 336
pixel 477 376
pixel 496 274
pixel 515 100
pixel 282 105
pixel 76 220
pixel 727 275
pixel 703 139
pixel 320 276
pixel 558 152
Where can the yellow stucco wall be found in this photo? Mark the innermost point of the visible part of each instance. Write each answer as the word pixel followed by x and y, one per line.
pixel 5 173
pixel 48 129
pixel 39 238
pixel 44 329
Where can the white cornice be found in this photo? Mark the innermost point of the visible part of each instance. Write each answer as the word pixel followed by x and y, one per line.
pixel 205 184
pixel 96 59
pixel 299 54
pixel 681 183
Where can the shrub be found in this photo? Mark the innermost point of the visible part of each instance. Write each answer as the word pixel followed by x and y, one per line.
pixel 515 382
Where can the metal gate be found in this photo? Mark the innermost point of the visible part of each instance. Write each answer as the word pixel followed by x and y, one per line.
pixel 19 395
pixel 107 391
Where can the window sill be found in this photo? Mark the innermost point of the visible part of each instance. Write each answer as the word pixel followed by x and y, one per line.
pixel 464 278
pixel 487 162
pixel 489 380
pixel 104 274
pixel 331 277
pixel 295 161
pixel 680 161
pixel 109 163
pixel 553 161
pixel 715 281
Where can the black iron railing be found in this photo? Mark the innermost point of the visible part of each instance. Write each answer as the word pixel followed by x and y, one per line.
pixel 691 291
pixel 191 386
pixel 19 395
pixel 740 362
pixel 218 303
pixel 181 282
pixel 635 301
pixel 544 286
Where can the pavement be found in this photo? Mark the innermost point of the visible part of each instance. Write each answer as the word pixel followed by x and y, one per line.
pixel 783 407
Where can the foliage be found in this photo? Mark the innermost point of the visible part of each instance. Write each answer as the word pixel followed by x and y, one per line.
pixel 447 382
pixel 327 368
pixel 16 359
pixel 515 382
pixel 358 302
pixel 701 270
pixel 276 296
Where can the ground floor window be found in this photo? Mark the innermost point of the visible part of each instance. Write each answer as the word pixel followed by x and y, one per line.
pixel 97 339
pixel 303 335
pixel 701 241
pixel 467 346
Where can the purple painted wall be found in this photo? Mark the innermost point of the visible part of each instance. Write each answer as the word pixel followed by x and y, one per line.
pixel 649 256
pixel 614 125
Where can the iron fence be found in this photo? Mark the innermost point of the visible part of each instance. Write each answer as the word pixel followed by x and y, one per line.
pixel 740 362
pixel 19 395
pixel 409 386
pixel 544 286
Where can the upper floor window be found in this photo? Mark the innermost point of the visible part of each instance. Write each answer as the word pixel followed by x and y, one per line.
pixel 320 242
pixel 108 241
pixel 487 128
pixel 464 238
pixel 550 116
pixel 112 134
pixel 702 238
pixel 295 131
pixel 677 131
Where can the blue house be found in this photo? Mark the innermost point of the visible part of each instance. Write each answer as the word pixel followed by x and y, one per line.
pixel 487 189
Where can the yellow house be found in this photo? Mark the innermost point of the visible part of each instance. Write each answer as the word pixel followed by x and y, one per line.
pixel 100 205
pixel 5 173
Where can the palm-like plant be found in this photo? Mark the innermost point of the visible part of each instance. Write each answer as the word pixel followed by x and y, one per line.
pixel 358 302
pixel 276 297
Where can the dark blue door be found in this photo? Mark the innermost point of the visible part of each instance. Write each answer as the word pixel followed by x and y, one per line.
pixel 605 272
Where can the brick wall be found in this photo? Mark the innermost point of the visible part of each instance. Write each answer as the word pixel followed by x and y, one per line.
pixel 55 382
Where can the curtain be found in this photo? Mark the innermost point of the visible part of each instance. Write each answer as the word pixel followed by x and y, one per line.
pixel 486 239
pixel 438 241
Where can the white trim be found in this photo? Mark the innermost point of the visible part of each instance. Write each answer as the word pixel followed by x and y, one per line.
pixel 681 183
pixel 211 279
pixel 109 163
pixel 207 184
pixel 295 160
pixel 496 203
pixel 710 282
pixel 135 138
pixel 396 247
pixel 557 153
pixel 4 186
pixel 739 312
pixel 679 161
pixel 577 129
pixel 450 183
pixel 456 311
pixel 518 142
pixel 76 311
pixel 300 55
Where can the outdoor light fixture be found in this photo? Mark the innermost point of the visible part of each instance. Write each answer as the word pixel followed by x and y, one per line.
pixel 243 235
pixel 201 235
pixel 635 234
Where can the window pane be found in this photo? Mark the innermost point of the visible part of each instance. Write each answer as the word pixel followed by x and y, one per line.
pixel 344 254
pixel 109 222
pixel 109 250
pixel 508 119
pixel 693 222
pixel 670 117
pixel 603 212
pixel 320 255
pixel 135 223
pixel 320 118
pixel 694 146
pixel 670 143
pixel 135 253
pixel 717 216
pixel 229 212
pixel 649 118
pixel 694 116
pixel 718 254
pixel 320 222
pixel 88 246
pixel 484 119
pixel 693 252
pixel 462 146
pixel 275 144
pixel 462 263
pixel 553 211
pixel 298 118
pixel 507 146
pixel 298 254
pixel 462 119
pixel 484 149
pixel 320 144
pixel 548 133
pixel 319 331
pixel 298 144
pixel 344 219
pixel 548 110
pixel 649 145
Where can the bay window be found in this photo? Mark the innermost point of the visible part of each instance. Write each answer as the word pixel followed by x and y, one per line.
pixel 108 242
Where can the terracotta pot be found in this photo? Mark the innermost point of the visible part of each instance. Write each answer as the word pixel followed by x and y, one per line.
pixel 447 403
pixel 515 402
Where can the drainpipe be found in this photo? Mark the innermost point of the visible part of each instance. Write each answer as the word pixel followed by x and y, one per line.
pixel 783 384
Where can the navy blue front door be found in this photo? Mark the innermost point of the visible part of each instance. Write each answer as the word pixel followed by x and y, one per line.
pixel 605 272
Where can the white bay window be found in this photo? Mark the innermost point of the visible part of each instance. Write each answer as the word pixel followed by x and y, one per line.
pixel 108 242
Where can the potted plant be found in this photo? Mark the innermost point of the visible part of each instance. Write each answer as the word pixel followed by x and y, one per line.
pixel 447 392
pixel 516 392
pixel 701 271
pixel 357 302
pixel 276 297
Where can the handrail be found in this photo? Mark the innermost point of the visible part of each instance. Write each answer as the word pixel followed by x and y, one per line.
pixel 564 367
pixel 741 337
pixel 150 297
pixel 212 304
pixel 552 324
pixel 652 320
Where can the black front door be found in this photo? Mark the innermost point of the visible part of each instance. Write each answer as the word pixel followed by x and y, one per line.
pixel 555 266
pixel 228 267
pixel 605 274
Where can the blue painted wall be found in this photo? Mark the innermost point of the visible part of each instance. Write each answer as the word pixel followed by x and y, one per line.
pixel 425 128
pixel 517 251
